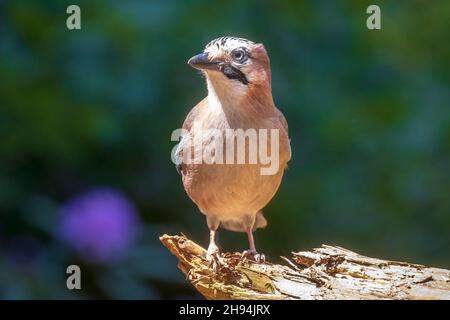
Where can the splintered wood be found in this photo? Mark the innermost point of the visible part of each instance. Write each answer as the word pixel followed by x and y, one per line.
pixel 327 272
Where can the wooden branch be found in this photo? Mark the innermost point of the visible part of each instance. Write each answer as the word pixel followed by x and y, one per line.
pixel 327 272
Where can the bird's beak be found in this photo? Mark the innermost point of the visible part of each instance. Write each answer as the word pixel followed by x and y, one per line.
pixel 202 62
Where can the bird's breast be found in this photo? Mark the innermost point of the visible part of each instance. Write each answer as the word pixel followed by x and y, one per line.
pixel 237 166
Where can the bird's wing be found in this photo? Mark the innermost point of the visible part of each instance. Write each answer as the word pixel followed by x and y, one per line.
pixel 178 156
pixel 286 128
pixel 187 125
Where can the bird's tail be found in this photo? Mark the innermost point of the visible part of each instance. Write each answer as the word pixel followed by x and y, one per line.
pixel 260 221
pixel 241 225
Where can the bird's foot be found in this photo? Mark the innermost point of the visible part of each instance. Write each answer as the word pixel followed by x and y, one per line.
pixel 254 255
pixel 213 257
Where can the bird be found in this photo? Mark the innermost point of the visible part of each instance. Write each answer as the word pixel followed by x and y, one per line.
pixel 232 195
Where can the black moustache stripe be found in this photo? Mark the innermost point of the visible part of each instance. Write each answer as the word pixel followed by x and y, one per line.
pixel 232 73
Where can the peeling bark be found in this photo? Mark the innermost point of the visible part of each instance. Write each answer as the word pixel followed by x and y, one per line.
pixel 327 272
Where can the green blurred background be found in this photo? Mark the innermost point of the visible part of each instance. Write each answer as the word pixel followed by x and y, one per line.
pixel 368 113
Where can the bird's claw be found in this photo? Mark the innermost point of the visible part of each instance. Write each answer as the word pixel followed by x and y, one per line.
pixel 214 258
pixel 254 255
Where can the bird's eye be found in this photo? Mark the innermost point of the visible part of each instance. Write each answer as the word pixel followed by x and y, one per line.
pixel 239 55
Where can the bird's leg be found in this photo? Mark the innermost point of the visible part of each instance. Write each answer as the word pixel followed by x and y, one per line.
pixel 212 248
pixel 213 254
pixel 252 253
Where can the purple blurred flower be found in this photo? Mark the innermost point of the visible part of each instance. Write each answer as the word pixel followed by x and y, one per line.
pixel 100 224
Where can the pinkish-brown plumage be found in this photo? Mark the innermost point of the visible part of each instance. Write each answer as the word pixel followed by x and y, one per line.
pixel 239 97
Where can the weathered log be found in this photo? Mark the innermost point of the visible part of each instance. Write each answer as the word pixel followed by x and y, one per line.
pixel 328 272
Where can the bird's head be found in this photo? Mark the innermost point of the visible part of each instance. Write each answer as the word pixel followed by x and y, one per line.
pixel 234 67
